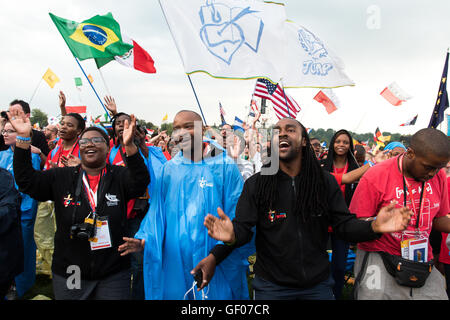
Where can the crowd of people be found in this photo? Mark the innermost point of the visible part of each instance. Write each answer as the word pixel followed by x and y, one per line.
pixel 124 214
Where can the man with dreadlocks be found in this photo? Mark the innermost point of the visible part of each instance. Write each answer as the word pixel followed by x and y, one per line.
pixel 292 210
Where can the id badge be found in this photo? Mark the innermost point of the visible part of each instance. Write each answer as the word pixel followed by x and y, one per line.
pixel 102 238
pixel 414 246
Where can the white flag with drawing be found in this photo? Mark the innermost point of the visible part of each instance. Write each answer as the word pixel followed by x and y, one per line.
pixel 235 39
pixel 311 63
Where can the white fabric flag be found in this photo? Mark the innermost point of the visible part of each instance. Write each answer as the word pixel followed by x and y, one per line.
pixel 311 63
pixel 236 39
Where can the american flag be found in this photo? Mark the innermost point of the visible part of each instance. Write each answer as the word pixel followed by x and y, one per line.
pixel 267 90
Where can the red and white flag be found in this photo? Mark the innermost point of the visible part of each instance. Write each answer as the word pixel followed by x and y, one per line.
pixel 328 99
pixel 76 109
pixel 137 58
pixel 394 94
pixel 267 90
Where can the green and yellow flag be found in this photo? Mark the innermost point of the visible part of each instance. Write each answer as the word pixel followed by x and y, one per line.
pixel 97 37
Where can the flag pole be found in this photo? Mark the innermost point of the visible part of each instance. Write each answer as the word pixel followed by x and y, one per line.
pixel 35 90
pixel 104 82
pixel 103 106
pixel 195 94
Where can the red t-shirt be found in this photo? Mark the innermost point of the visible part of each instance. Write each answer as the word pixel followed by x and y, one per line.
pixel 60 153
pixel 338 173
pixel 382 184
pixel 444 256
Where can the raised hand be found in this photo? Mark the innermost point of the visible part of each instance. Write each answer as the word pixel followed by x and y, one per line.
pixel 110 104
pixel 392 219
pixel 20 122
pixel 220 228
pixel 129 130
pixel 62 99
pixel 131 245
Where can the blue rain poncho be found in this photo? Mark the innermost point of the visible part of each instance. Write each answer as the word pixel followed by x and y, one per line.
pixel 176 239
pixel 154 162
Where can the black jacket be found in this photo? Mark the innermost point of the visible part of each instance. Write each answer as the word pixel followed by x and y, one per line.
pixel 11 242
pixel 291 252
pixel 116 187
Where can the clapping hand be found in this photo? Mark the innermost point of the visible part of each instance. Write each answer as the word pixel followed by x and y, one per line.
pixel 220 228
pixel 392 219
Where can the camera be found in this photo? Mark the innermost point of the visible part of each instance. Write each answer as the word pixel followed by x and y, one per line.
pixel 83 231
pixel 4 115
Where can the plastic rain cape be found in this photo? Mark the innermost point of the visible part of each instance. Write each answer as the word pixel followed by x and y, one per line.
pixel 175 237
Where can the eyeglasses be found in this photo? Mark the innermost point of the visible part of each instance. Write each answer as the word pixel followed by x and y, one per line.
pixel 95 141
pixel 316 144
pixel 8 132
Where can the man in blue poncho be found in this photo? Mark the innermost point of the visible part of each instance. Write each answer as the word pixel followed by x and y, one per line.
pixel 172 234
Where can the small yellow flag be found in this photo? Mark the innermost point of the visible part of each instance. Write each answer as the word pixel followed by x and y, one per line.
pixel 50 78
pixel 90 78
pixel 165 118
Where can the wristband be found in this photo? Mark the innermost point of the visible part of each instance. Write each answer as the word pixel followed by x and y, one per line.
pixel 23 138
pixel 371 163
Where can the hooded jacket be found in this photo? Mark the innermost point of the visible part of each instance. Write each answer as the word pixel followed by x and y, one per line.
pixel 116 187
pixel 290 251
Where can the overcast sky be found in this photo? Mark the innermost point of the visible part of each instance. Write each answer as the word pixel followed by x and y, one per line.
pixel 406 45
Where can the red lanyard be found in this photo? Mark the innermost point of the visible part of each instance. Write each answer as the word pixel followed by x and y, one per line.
pixel 345 168
pixel 406 187
pixel 60 150
pixel 92 194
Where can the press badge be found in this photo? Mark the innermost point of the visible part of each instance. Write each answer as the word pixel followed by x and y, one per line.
pixel 102 239
pixel 414 247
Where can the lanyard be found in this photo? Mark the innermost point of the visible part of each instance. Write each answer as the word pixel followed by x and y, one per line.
pixel 60 150
pixel 345 168
pixel 92 194
pixel 406 186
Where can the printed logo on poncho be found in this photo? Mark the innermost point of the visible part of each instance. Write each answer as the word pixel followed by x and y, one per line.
pixel 111 200
pixel 203 183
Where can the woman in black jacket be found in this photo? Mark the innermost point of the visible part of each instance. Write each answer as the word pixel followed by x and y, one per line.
pixel 339 161
pixel 90 210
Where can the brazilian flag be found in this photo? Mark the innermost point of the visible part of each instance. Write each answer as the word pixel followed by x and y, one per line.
pixel 97 37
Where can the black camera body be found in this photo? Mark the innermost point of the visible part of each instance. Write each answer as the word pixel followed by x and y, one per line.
pixel 83 231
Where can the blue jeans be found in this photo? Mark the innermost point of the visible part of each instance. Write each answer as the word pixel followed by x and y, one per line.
pixel 338 263
pixel 266 290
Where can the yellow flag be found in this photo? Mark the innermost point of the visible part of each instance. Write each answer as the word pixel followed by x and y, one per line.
pixel 50 78
pixel 165 118
pixel 384 138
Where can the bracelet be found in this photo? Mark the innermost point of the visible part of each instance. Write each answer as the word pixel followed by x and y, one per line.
pixel 370 219
pixel 23 138
pixel 371 163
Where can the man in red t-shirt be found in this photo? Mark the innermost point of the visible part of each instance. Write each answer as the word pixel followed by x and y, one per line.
pixel 414 179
